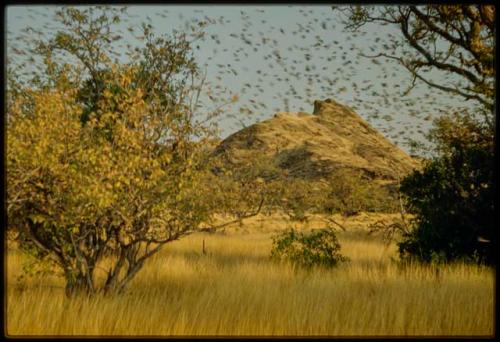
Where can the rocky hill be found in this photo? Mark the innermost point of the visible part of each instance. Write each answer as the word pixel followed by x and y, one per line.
pixel 313 145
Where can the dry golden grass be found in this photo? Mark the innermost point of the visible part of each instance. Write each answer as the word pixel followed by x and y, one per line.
pixel 235 289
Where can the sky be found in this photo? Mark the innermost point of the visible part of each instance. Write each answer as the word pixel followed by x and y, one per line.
pixel 282 58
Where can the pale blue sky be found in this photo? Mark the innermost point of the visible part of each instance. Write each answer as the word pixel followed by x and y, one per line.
pixel 282 58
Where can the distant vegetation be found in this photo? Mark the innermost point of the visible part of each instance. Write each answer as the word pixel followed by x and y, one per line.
pixel 346 191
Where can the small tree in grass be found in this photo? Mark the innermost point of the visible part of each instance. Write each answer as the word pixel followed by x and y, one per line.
pixel 317 248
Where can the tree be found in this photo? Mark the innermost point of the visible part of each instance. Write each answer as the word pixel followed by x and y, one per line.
pixel 452 196
pixel 103 158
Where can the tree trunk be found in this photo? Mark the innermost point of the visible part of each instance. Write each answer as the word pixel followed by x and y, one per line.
pixel 77 285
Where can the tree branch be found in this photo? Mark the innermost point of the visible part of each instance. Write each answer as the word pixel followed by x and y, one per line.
pixel 431 61
pixel 434 28
pixel 215 228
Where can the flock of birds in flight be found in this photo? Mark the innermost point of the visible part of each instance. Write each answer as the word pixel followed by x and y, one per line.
pixel 289 66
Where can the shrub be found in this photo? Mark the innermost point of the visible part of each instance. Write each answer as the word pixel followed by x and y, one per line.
pixel 317 248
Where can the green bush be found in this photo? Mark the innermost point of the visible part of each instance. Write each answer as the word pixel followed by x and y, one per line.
pixel 318 248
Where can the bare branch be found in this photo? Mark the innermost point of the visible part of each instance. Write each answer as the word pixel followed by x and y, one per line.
pixel 215 228
pixel 434 28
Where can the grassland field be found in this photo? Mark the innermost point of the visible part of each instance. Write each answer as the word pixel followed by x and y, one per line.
pixel 235 289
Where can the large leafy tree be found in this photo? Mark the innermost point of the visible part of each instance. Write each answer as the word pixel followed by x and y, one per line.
pixel 450 48
pixel 103 164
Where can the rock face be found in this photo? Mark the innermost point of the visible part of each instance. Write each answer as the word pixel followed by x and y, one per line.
pixel 313 146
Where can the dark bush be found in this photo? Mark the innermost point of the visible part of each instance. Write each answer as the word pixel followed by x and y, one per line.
pixel 453 200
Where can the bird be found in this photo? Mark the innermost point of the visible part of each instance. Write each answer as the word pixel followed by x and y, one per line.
pixel 309 57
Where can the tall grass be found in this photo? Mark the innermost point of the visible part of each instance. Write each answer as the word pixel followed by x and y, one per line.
pixel 235 289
